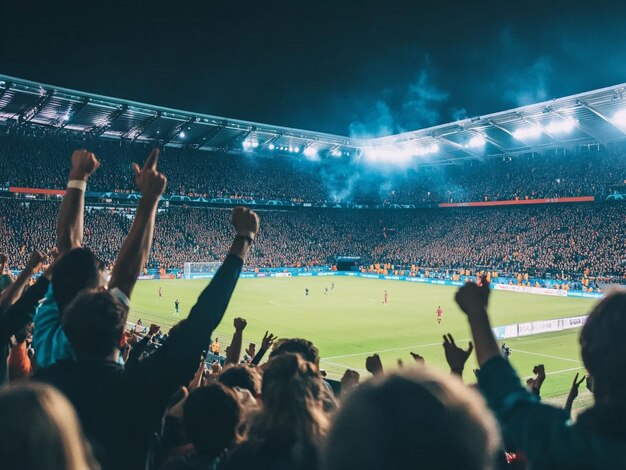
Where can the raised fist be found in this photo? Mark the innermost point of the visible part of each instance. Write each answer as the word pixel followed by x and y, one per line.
pixel 149 181
pixel 374 365
pixel 240 324
pixel 245 221
pixel 36 260
pixel 84 163
pixel 349 380
pixel 473 299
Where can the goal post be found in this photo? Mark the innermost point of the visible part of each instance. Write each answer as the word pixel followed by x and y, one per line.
pixel 200 270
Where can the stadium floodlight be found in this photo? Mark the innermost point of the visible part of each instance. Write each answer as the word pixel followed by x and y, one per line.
pixel 310 152
pixel 66 117
pixel 246 144
pixel 336 153
pixel 477 141
pixel 562 126
pixel 530 132
pixel 182 135
pixel 255 144
pixel 290 149
pixel 619 118
pixel 271 146
pixel 296 149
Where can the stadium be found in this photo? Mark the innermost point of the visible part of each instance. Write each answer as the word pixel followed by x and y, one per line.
pixel 363 245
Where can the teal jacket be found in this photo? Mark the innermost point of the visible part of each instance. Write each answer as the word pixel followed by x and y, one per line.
pixel 49 340
pixel 545 433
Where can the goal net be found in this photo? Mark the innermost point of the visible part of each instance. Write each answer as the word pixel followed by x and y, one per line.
pixel 201 270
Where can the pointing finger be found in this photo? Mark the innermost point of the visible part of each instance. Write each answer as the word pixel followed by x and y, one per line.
pixel 152 160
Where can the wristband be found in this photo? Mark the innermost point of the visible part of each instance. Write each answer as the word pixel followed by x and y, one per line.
pixel 250 240
pixel 77 184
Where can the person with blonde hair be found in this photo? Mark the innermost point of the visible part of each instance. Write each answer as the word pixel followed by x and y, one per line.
pixel 416 418
pixel 40 430
pixel 289 429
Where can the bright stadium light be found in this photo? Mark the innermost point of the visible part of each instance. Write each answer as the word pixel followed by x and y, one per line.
pixel 296 149
pixel 310 152
pixel 271 146
pixel 255 144
pixel 290 149
pixel 530 132
pixel 619 118
pixel 336 153
pixel 182 135
pixel 477 141
pixel 246 144
pixel 562 126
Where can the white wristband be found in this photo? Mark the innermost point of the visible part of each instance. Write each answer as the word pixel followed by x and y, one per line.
pixel 77 184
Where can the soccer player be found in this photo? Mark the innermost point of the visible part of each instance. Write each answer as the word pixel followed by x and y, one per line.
pixel 160 291
pixel 325 290
pixel 306 292
pixel 332 286
pixel 386 298
pixel 439 314
pixel 176 306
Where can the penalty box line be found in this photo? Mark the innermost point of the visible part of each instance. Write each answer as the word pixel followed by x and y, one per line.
pixel 325 359
pixel 428 345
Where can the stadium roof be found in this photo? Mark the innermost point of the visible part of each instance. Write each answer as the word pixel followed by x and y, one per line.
pixel 592 118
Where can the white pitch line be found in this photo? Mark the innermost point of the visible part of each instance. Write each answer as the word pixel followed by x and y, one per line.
pixel 546 355
pixel 393 349
pixel 342 366
pixel 556 372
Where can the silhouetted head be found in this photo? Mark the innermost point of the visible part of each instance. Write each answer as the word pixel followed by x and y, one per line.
pixel 603 349
pixel 211 417
pixel 77 270
pixel 244 376
pixel 417 418
pixel 40 430
pixel 305 348
pixel 94 324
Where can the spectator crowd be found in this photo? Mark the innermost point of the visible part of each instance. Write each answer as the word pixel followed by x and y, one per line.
pixel 574 240
pixel 78 391
pixel 32 162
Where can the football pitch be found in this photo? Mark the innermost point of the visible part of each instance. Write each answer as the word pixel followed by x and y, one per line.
pixel 351 322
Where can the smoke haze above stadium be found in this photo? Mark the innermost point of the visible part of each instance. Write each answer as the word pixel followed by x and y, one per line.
pixel 345 67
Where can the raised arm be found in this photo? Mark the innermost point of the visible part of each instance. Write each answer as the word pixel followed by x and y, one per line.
pixel 136 248
pixel 175 363
pixel 473 300
pixel 266 344
pixel 71 212
pixel 21 313
pixel 234 352
pixel 14 291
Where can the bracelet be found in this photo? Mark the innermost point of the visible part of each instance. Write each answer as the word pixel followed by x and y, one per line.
pixel 250 240
pixel 77 184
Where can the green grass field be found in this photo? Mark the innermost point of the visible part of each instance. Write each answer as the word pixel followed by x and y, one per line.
pixel 351 322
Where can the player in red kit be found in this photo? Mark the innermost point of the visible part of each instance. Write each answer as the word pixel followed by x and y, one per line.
pixel 439 314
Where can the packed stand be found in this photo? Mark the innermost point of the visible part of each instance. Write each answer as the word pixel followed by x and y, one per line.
pixel 563 240
pixel 34 163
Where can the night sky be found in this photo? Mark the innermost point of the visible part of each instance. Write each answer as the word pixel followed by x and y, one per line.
pixel 346 67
